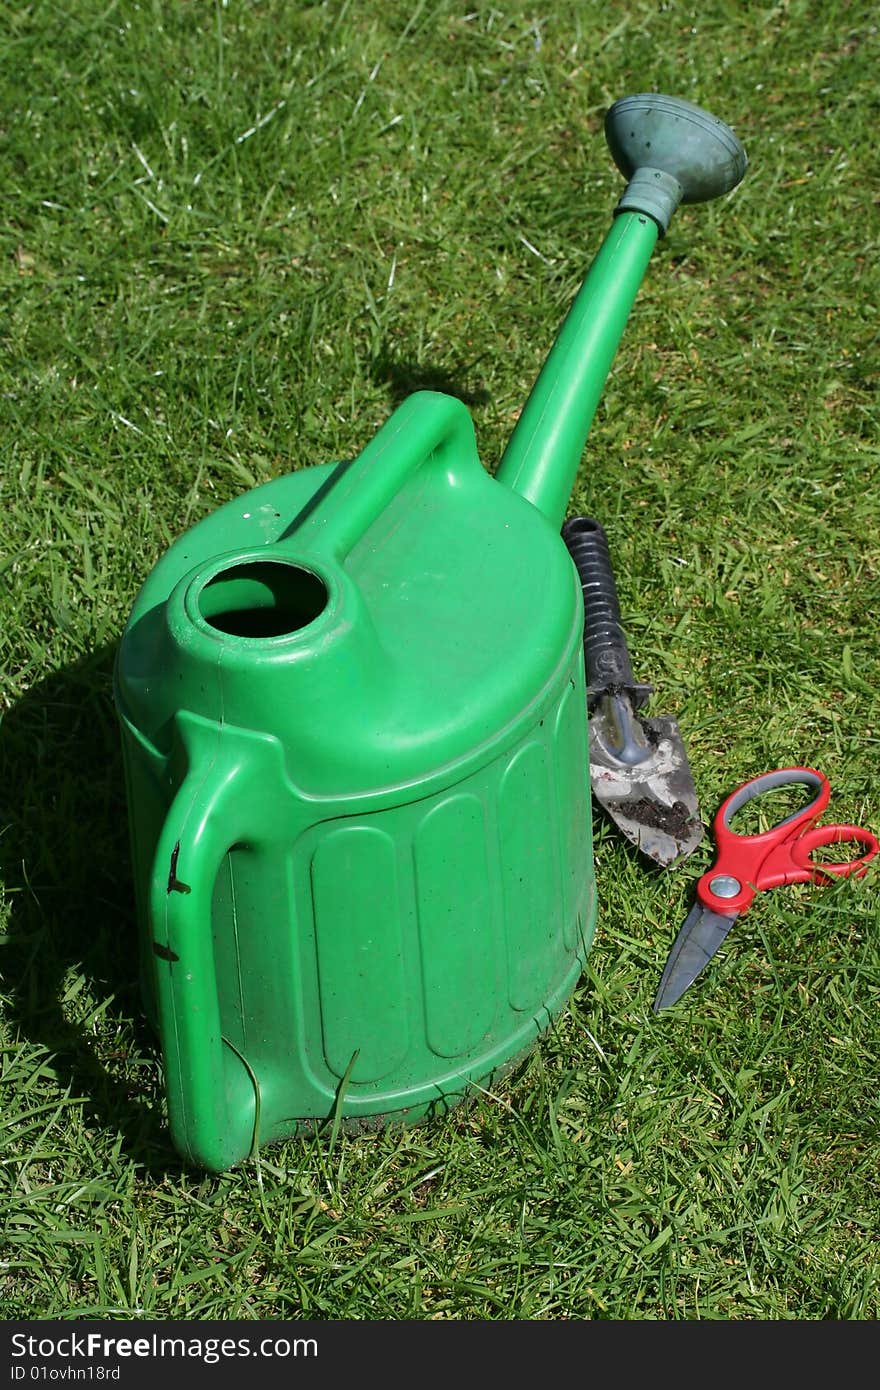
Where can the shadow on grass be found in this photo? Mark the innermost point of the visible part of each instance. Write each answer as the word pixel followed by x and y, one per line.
pixel 403 377
pixel 64 856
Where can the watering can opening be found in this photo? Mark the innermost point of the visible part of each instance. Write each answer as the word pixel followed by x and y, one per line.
pixel 260 599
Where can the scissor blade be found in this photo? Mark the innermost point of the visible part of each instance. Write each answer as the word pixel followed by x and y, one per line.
pixel 701 935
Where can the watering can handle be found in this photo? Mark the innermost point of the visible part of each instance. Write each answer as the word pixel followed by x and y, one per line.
pixel 212 1098
pixel 429 425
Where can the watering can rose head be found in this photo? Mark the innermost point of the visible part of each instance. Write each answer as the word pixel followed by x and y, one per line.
pixel 671 152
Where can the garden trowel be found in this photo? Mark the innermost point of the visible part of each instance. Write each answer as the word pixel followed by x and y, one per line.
pixel 639 771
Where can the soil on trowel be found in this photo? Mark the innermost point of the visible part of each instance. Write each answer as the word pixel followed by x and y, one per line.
pixel 675 820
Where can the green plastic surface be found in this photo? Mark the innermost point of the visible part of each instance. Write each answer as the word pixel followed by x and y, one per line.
pixel 545 449
pixel 354 727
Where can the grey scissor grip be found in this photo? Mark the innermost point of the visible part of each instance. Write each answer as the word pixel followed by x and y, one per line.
pixel 784 777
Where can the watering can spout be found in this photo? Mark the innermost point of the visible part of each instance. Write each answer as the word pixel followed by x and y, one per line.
pixel 671 152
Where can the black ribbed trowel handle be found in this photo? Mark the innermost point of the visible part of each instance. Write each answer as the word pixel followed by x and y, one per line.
pixel 605 651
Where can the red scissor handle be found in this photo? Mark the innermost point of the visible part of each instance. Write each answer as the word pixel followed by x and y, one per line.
pixel 802 850
pixel 746 864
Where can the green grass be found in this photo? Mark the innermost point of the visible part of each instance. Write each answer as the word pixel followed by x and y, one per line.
pixel 236 235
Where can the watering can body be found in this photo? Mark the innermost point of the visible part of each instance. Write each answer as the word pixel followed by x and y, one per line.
pixel 354 731
pixel 355 739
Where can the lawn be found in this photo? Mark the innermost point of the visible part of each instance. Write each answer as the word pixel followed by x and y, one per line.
pixel 237 235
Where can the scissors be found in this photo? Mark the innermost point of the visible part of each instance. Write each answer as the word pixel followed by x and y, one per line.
pixel 749 864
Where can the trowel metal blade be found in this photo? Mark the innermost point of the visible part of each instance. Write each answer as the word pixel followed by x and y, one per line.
pixel 653 802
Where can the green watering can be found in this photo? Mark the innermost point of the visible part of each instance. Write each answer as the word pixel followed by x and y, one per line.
pixel 355 740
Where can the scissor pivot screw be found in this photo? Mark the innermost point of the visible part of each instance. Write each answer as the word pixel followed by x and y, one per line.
pixel 725 886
